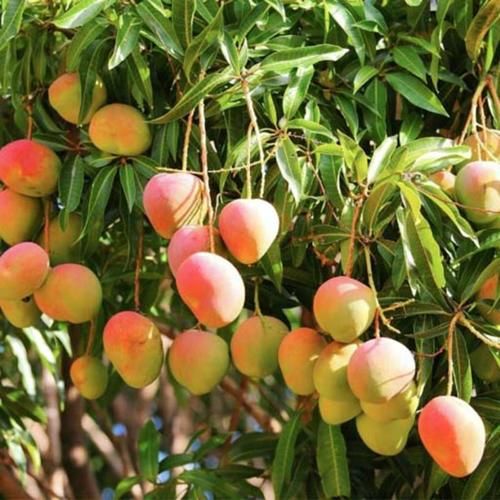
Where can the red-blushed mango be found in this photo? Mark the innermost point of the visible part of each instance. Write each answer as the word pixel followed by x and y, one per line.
pixel 174 200
pixel 188 240
pixel 330 370
pixel 297 355
pixel 90 377
pixel 478 188
pixel 212 288
pixel 445 180
pixel 402 405
pixel 491 142
pixel 198 360
pixel 485 364
pixel 29 168
pixel 23 269
pixel 488 291
pixel 384 438
pixel 63 245
pixel 338 411
pixel 344 307
pixel 248 228
pixel 20 216
pixel 453 434
pixel 21 313
pixel 133 344
pixel 71 293
pixel 120 129
pixel 379 369
pixel 65 97
pixel 255 344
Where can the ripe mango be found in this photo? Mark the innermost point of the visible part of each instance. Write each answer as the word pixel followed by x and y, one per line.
pixel 338 411
pixel 21 313
pixel 63 245
pixel 445 180
pixel 484 364
pixel 488 291
pixel 90 377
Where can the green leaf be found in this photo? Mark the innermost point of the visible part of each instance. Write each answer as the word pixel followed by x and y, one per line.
pixel 273 265
pixel 149 447
pixel 331 456
pixel 296 91
pixel 310 126
pixel 127 37
pixel 482 479
pixel 415 92
pixel 12 17
pixel 71 186
pixel 125 485
pixel 376 93
pixel 378 197
pixel 473 286
pixel 23 365
pixel 364 75
pixel 81 41
pixel 288 163
pixel 381 157
pixel 410 128
pixel 127 181
pixel 354 157
pixel 140 74
pixel 488 15
pixel 462 373
pixel 407 58
pixel 81 13
pixel 182 19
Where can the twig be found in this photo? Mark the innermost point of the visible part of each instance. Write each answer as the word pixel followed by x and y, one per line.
pixel 248 166
pixel 187 138
pixel 138 265
pixel 90 341
pixel 449 347
pixel 352 237
pixel 483 338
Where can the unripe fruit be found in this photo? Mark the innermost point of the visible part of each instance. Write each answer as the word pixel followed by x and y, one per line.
pixel 297 355
pixel 188 240
pixel 23 269
pixel 65 97
pixel 71 293
pixel 336 412
pixel 174 200
pixel 453 434
pixel 402 405
pixel 20 216
pixel 344 307
pixel 445 180
pixel 491 141
pixel 488 291
pixel 478 186
pixel 379 369
pixel 29 168
pixel 20 313
pixel 255 345
pixel 248 228
pixel 133 344
pixel 63 247
pixel 198 360
pixel 330 371
pixel 90 377
pixel 120 129
pixel 384 438
pixel 212 288
pixel 484 364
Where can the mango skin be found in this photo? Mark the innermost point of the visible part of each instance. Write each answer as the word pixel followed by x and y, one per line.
pixel 255 345
pixel 21 313
pixel 344 307
pixel 65 97
pixel 453 434
pixel 63 247
pixel 384 438
pixel 248 228
pixel 89 376
pixel 488 291
pixel 212 288
pixel 121 130
pixel 484 364
pixel 478 186
pixel 23 269
pixel 297 355
pixel 338 411
pixel 174 200
pixel 445 180
pixel 133 344
pixel 198 360
pixel 71 293
pixel 29 168
pixel 379 369
pixel 491 140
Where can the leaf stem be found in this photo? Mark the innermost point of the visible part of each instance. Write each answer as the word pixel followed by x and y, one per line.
pixel 187 137
pixel 449 348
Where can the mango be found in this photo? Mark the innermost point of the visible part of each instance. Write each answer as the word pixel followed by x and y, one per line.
pixel 384 438
pixel 29 168
pixel 380 369
pixel 65 97
pixel 453 434
pixel 133 344
pixel 344 307
pixel 484 364
pixel 445 180
pixel 89 376
pixel 174 200
pixel 63 245
pixel 248 228
pixel 401 406
pixel 198 360
pixel 20 313
pixel 255 344
pixel 488 291
pixel 298 353
pixel 330 371
pixel 71 293
pixel 20 216
pixel 23 269
pixel 212 288
pixel 338 411
pixel 491 141
pixel 478 188
pixel 120 130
